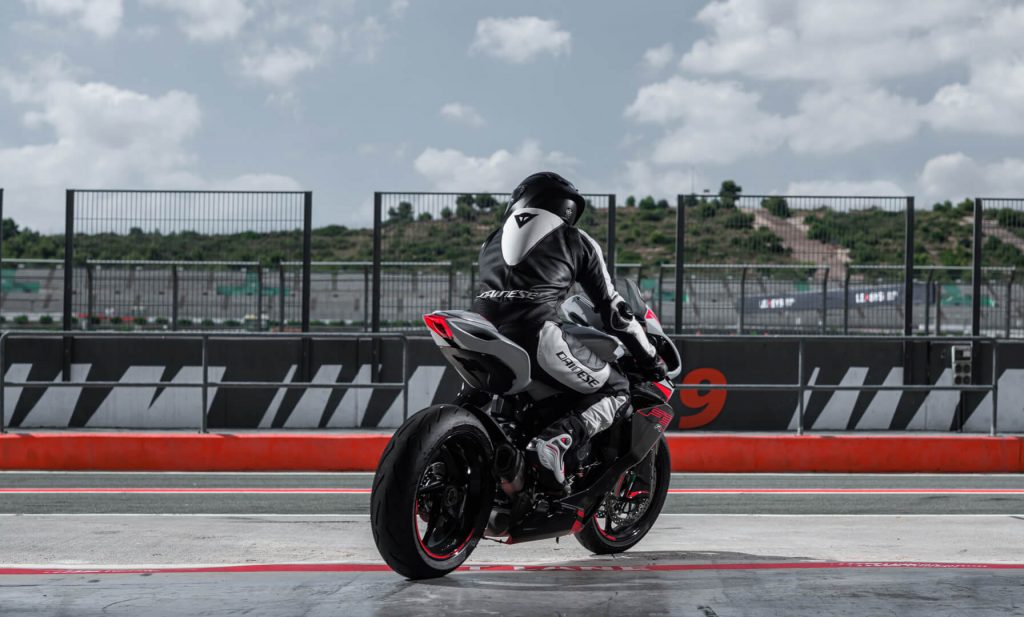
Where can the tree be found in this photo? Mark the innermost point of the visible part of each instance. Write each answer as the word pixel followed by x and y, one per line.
pixel 729 193
pixel 485 202
pixel 648 203
pixel 447 214
pixel 401 214
pixel 424 216
pixel 662 204
pixel 630 202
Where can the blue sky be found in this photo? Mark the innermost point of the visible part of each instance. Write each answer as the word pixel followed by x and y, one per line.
pixel 346 97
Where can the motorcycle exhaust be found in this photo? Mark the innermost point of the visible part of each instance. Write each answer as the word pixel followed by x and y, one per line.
pixel 510 468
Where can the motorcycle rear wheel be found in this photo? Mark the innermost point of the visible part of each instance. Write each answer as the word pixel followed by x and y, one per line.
pixel 602 535
pixel 432 492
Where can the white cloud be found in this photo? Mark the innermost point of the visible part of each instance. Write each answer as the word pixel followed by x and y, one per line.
pixel 992 101
pixel 709 122
pixel 849 40
pixel 642 178
pixel 279 65
pixel 94 134
pixel 658 58
pixel 207 20
pixel 462 113
pixel 452 170
pixel 953 176
pixel 101 17
pixel 841 120
pixel 868 188
pixel 520 39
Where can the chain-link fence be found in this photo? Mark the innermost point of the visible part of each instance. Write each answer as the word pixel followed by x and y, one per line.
pixel 136 249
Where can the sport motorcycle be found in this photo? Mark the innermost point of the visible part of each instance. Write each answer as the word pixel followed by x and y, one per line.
pixel 459 472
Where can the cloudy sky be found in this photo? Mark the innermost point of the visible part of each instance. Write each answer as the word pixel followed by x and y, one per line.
pixel 344 97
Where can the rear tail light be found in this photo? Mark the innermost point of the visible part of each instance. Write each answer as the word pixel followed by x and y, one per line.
pixel 438 325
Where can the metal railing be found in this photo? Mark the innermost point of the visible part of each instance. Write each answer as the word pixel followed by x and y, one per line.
pixel 802 387
pixel 205 384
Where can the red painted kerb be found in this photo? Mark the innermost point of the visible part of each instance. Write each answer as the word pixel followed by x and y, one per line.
pixel 724 453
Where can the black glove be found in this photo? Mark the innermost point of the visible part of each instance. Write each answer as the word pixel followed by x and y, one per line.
pixel 654 369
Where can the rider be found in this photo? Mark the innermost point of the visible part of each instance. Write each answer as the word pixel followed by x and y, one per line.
pixel 527 267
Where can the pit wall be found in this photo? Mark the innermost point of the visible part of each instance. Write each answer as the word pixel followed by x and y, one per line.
pixel 738 361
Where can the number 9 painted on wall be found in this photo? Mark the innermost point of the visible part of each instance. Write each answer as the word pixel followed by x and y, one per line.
pixel 710 402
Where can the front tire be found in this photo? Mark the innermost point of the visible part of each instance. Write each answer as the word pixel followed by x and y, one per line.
pixel 617 527
pixel 432 492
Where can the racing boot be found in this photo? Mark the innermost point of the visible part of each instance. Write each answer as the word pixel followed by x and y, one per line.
pixel 556 443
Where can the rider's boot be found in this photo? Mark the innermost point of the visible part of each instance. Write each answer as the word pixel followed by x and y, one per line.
pixel 557 441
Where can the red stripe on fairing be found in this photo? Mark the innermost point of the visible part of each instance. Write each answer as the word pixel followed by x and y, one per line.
pixel 366 491
pixel 657 567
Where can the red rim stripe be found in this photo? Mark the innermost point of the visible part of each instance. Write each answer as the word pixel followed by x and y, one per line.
pixel 658 567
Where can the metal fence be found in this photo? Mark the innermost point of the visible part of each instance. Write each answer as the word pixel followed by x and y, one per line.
pixel 31 292
pixel 110 237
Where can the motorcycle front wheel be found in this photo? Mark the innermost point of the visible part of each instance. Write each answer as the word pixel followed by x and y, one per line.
pixel 432 492
pixel 631 507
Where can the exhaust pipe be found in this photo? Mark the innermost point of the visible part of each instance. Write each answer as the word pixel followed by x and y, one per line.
pixel 510 468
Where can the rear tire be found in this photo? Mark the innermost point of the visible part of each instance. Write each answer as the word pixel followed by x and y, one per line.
pixel 602 539
pixel 434 471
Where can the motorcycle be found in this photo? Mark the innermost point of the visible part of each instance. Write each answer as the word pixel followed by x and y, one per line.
pixel 455 473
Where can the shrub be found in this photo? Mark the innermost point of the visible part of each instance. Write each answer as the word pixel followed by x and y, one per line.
pixel 777 206
pixel 46 320
pixel 185 322
pixel 1010 218
pixel 116 321
pixel 21 320
pixel 141 321
pixel 207 323
pixel 231 323
pixel 738 220
pixel 162 321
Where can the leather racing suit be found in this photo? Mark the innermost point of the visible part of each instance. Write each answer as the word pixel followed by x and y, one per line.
pixel 527 268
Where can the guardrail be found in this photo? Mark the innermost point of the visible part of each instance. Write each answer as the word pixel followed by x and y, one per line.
pixel 205 384
pixel 801 387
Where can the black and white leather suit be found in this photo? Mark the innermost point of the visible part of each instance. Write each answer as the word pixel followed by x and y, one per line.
pixel 527 268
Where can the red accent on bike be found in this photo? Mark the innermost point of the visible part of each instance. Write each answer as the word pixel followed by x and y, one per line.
pixel 438 325
pixel 665 391
pixel 602 531
pixel 577 527
pixel 659 415
pixel 635 494
pixel 650 315
pixel 448 555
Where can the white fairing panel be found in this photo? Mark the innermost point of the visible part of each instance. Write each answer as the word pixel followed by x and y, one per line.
pixel 473 332
pixel 523 230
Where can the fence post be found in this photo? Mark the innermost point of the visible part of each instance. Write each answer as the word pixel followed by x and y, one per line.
pixel 824 300
pixel 680 246
pixel 610 257
pixel 938 308
pixel 800 387
pixel 976 258
pixel 69 260
pixel 88 296
pixel 908 274
pixel 307 240
pixel 928 303
pixel 661 289
pixel 174 297
pixel 366 298
pixel 743 299
pixel 1009 298
pixel 259 298
pixel 451 284
pixel 280 295
pixel 3 374
pixel 375 315
pixel 206 381
pixel 846 301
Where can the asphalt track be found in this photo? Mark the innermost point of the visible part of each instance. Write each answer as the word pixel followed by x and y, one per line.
pixel 299 544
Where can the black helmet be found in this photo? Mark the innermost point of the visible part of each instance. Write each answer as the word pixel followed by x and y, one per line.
pixel 549 191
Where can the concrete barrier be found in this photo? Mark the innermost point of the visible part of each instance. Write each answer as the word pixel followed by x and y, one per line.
pixel 359 451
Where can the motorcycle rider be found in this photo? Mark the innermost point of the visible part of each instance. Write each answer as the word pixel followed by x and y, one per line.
pixel 527 268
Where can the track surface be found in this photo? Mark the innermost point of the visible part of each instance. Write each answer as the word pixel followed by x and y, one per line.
pixel 727 544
